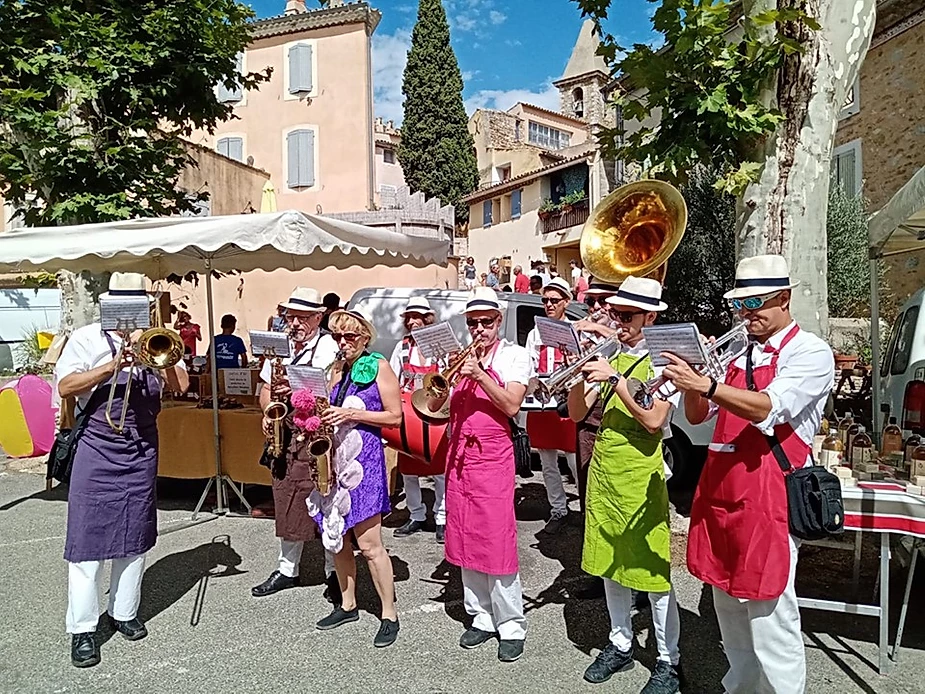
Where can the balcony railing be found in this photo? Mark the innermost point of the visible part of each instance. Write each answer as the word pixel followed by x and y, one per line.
pixel 560 219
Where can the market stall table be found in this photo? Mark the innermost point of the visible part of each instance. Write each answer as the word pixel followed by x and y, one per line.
pixel 882 508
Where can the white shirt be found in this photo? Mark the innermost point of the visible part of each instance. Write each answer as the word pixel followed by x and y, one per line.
pixel 576 273
pixel 415 358
pixel 533 347
pixel 805 377
pixel 323 357
pixel 511 362
pixel 86 349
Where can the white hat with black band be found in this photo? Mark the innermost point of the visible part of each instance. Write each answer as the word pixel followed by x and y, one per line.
pixel 303 299
pixel 418 304
pixel 483 299
pixel 761 274
pixel 560 285
pixel 639 292
pixel 124 285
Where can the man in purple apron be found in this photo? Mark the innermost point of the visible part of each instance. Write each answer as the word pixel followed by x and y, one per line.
pixel 112 511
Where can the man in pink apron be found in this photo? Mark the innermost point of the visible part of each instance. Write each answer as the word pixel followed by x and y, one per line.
pixel 410 366
pixel 481 531
pixel 739 535
pixel 546 359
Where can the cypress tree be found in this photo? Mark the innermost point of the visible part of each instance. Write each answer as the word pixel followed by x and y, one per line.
pixel 436 151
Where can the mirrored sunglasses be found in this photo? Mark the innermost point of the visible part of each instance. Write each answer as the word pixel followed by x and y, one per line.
pixel 752 303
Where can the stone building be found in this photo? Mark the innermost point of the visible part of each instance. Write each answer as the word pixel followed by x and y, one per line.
pixel 389 175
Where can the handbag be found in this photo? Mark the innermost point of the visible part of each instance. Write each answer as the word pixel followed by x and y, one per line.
pixel 522 453
pixel 61 456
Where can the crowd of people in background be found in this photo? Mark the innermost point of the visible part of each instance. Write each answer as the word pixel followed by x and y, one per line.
pixel 539 276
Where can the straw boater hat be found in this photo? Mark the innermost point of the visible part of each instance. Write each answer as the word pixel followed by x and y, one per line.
pixel 483 299
pixel 763 274
pixel 596 286
pixel 639 292
pixel 559 285
pixel 304 299
pixel 124 285
pixel 417 304
pixel 361 315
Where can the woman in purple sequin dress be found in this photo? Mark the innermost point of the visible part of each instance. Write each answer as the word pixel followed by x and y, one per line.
pixel 364 399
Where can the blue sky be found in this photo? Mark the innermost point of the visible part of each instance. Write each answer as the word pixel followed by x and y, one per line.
pixel 508 50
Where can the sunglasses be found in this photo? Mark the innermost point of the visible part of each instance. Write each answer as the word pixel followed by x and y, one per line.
pixel 349 337
pixel 752 303
pixel 595 300
pixel 625 316
pixel 551 300
pixel 484 322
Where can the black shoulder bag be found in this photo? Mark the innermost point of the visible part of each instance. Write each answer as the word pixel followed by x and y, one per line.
pixel 61 456
pixel 522 452
pixel 815 508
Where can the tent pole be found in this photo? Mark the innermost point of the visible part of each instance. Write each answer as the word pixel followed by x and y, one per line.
pixel 219 487
pixel 875 347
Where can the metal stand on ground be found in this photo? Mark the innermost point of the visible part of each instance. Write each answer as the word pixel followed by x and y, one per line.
pixel 220 481
pixel 917 546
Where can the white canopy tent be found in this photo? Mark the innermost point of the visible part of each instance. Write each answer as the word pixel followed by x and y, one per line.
pixel 179 245
pixel 901 220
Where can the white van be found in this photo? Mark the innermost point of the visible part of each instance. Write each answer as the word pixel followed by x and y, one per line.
pixel 903 360
pixel 685 450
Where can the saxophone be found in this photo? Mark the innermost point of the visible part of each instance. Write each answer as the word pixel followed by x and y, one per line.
pixel 321 445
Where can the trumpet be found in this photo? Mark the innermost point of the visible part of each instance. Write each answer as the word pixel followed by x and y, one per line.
pixel 437 385
pixel 719 355
pixel 158 348
pixel 566 377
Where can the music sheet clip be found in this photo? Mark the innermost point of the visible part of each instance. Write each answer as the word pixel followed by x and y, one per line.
pixel 557 333
pixel 269 344
pixel 125 314
pixel 302 376
pixel 681 339
pixel 436 341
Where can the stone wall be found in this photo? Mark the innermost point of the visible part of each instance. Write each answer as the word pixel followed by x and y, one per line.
pixel 407 213
pixel 233 187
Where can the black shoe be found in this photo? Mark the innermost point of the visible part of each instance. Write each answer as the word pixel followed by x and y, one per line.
pixel 608 662
pixel 591 589
pixel 84 650
pixel 332 592
pixel 133 629
pixel 473 638
pixel 409 528
pixel 555 524
pixel 665 679
pixel 275 583
pixel 338 618
pixel 388 632
pixel 510 650
pixel 441 534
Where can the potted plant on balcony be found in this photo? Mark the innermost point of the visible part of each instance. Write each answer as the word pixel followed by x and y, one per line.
pixel 547 208
pixel 570 200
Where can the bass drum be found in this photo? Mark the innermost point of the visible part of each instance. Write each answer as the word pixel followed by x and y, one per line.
pixel 424 445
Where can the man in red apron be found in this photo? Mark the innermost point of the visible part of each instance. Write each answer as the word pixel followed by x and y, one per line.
pixel 481 531
pixel 739 534
pixel 410 366
pixel 551 427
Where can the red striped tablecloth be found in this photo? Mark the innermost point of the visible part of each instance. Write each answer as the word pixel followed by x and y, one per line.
pixel 884 507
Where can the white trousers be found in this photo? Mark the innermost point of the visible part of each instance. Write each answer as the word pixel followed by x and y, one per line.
pixel 495 603
pixel 415 502
pixel 83 607
pixel 666 621
pixel 552 478
pixel 290 553
pixel 763 640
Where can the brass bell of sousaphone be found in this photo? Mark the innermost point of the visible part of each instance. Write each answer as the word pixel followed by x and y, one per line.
pixel 633 231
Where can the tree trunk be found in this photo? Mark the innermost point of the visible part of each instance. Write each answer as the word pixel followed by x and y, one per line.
pixel 79 299
pixel 785 210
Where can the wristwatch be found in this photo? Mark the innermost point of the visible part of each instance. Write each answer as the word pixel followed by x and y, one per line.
pixel 613 380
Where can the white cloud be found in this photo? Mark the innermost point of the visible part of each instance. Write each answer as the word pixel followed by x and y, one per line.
pixel 390 53
pixel 497 17
pixel 464 22
pixel 503 99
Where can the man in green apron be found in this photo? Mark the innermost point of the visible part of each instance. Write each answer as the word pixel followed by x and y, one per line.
pixel 627 532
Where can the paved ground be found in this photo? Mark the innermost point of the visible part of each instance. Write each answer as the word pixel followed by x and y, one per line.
pixel 209 635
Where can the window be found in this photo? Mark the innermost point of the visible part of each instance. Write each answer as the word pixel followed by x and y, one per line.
pixel 300 152
pixel 486 213
pixel 504 173
pixel 903 348
pixel 388 156
pixel 852 100
pixel 891 345
pixel 578 102
pixel 517 128
pixel 516 196
pixel 231 147
pixel 547 137
pixel 846 167
pixel 226 95
pixel 300 68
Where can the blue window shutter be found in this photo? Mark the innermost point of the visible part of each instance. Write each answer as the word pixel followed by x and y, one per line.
pixel 222 146
pixel 515 203
pixel 300 146
pixel 300 68
pixel 231 147
pixel 486 213
pixel 237 94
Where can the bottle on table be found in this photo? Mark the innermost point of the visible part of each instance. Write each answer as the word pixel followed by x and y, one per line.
pixel 892 439
pixel 911 443
pixel 819 439
pixel 843 426
pixel 852 431
pixel 862 448
pixel 917 464
pixel 832 452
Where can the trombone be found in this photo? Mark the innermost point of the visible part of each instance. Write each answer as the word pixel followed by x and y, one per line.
pixel 437 385
pixel 566 377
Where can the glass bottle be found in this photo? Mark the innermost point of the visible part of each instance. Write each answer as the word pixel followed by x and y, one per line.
pixel 819 439
pixel 911 443
pixel 917 465
pixel 892 439
pixel 861 448
pixel 832 453
pixel 843 425
pixel 852 431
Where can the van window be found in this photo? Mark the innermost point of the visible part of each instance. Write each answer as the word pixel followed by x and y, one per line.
pixel 903 350
pixel 887 356
pixel 526 320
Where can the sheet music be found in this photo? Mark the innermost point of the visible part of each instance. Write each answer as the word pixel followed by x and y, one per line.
pixel 125 313
pixel 310 377
pixel 557 333
pixel 269 343
pixel 435 341
pixel 681 339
